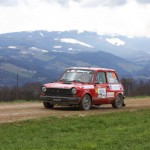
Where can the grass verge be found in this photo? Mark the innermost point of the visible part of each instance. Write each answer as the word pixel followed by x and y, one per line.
pixel 117 131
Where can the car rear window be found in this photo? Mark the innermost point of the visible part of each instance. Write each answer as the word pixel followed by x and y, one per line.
pixel 112 78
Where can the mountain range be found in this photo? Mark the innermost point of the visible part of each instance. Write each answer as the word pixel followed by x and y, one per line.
pixel 43 55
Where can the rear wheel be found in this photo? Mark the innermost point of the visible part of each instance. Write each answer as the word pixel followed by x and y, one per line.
pixel 85 103
pixel 119 101
pixel 48 105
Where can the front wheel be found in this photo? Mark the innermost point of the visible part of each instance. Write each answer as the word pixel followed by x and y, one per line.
pixel 85 103
pixel 48 105
pixel 119 102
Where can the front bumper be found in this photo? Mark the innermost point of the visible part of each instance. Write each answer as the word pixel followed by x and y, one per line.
pixel 60 100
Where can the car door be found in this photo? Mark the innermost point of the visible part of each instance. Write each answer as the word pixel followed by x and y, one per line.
pixel 101 88
pixel 113 84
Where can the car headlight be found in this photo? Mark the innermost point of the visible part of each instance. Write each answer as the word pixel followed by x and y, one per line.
pixel 43 89
pixel 73 90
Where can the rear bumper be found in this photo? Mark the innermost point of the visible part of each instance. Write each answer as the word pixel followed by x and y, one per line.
pixel 60 100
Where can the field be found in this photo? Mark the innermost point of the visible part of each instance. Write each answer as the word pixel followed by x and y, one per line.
pixel 66 128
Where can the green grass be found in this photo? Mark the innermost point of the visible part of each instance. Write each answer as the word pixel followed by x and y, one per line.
pixel 116 131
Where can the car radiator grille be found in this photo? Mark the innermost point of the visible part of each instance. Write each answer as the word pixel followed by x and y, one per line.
pixel 58 92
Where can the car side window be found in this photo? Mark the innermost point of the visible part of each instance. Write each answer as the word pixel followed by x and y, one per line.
pixel 101 78
pixel 112 78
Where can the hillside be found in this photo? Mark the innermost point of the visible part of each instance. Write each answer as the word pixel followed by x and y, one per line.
pixel 42 56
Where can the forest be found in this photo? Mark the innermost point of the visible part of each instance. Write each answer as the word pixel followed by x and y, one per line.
pixel 29 91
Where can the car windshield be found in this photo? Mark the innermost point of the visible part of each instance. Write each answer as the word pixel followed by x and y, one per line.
pixel 75 75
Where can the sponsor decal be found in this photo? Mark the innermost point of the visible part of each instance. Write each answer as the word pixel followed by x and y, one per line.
pixel 114 86
pixel 102 92
pixel 110 94
pixel 88 87
pixel 96 90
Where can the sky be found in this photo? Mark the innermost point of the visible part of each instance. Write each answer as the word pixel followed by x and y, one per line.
pixel 123 17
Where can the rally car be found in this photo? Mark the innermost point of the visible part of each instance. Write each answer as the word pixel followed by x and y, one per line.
pixel 84 87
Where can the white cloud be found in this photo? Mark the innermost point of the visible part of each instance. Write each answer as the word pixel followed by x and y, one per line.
pixel 125 17
pixel 143 1
pixel 107 3
pixel 8 3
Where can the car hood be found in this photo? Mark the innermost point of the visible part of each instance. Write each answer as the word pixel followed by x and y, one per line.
pixel 68 86
pixel 63 85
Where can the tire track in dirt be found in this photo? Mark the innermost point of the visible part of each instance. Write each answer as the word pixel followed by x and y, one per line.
pixel 11 112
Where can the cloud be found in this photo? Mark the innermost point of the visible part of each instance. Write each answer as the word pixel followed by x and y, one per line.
pixel 143 1
pixel 90 3
pixel 8 2
pixel 67 3
pixel 108 3
pixel 125 17
pixel 61 2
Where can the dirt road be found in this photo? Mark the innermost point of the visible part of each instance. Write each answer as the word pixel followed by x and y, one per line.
pixel 27 110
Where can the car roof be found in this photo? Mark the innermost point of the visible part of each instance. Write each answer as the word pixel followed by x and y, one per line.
pixel 92 68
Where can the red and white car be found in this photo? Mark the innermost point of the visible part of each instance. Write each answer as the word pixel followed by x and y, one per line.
pixel 84 87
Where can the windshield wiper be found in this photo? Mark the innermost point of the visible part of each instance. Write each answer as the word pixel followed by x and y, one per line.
pixel 63 80
pixel 77 81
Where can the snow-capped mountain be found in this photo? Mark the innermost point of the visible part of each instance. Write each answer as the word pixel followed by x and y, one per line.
pixel 42 55
pixel 126 47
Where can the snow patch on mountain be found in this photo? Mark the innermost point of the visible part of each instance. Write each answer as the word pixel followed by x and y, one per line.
pixel 42 34
pixel 12 47
pixel 37 49
pixel 115 41
pixel 74 41
pixel 70 49
pixel 57 47
pixel 57 51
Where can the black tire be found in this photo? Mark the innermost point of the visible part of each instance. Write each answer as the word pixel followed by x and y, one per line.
pixel 118 102
pixel 85 103
pixel 48 105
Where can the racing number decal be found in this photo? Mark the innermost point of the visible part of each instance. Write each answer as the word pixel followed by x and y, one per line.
pixel 101 92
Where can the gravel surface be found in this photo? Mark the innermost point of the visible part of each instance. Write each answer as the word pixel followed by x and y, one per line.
pixel 11 112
